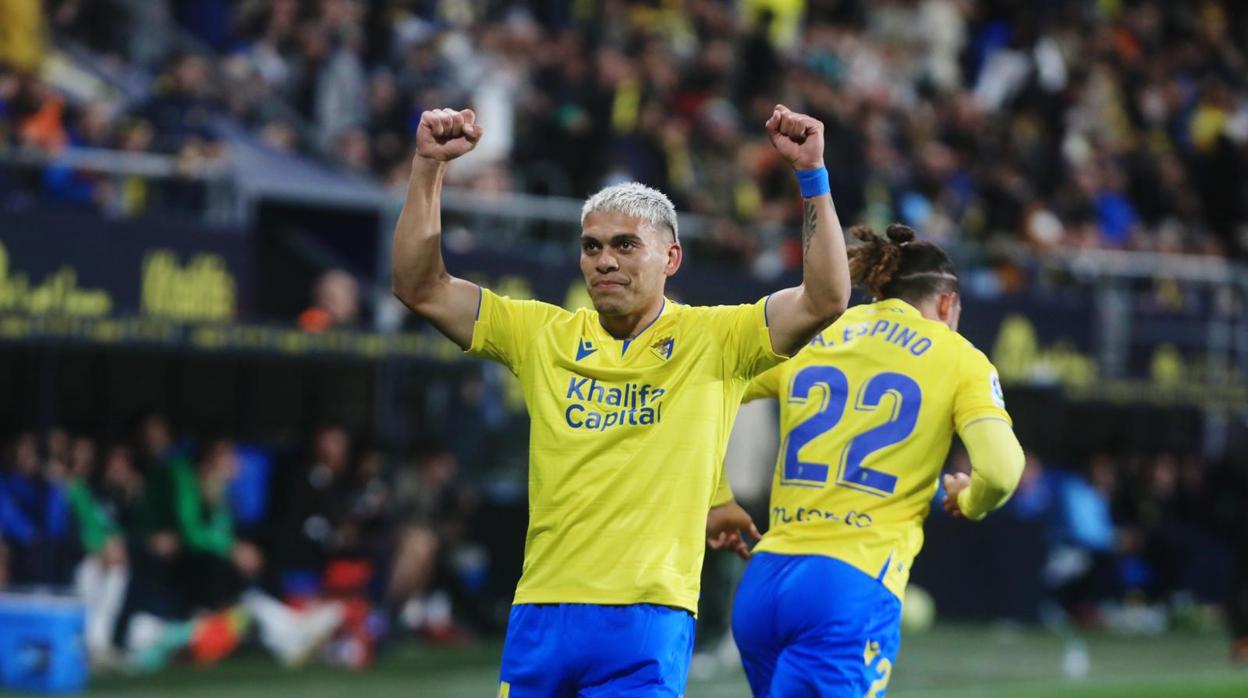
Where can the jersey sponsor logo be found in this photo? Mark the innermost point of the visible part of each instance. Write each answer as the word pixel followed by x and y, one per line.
pixel 998 395
pixel 600 406
pixel 663 348
pixel 584 348
pixel 853 519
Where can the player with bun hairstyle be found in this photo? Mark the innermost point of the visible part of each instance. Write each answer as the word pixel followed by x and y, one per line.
pixel 867 413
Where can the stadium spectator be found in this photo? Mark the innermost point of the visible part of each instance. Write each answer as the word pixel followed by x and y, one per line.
pixel 309 513
pixel 342 87
pixel 58 448
pixel 389 122
pixel 102 576
pixel 153 442
pixel 182 105
pixel 215 577
pixel 434 515
pixel 213 566
pixel 1083 566
pixel 35 520
pixel 335 303
pixel 1080 559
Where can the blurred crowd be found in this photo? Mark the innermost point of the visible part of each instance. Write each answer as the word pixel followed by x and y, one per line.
pixel 1141 542
pixel 191 548
pixel 1062 124
pixel 182 548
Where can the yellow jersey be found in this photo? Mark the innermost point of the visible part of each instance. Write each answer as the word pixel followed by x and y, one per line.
pixel 867 412
pixel 627 441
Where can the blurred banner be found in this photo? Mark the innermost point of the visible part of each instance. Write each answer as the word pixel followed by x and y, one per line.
pixel 76 265
pixel 62 273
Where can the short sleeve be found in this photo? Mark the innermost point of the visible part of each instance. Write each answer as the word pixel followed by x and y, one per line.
pixel 978 394
pixel 745 339
pixel 765 384
pixel 505 328
pixel 723 490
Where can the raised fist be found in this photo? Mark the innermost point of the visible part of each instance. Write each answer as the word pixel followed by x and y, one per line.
pixel 797 137
pixel 445 134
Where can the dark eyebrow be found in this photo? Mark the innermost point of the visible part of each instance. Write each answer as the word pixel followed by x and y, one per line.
pixel 625 237
pixel 615 239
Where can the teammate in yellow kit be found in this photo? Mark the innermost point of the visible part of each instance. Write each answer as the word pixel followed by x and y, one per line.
pixel 867 413
pixel 631 406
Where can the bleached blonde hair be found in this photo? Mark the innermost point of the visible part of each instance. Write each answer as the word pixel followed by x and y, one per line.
pixel 636 200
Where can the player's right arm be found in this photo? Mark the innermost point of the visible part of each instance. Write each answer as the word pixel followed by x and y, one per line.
pixel 420 279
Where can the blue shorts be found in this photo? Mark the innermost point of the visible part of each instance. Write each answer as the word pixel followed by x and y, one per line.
pixel 578 650
pixel 809 625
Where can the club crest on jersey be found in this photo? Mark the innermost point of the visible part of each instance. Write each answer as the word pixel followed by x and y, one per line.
pixel 663 348
pixel 998 395
pixel 584 348
pixel 870 652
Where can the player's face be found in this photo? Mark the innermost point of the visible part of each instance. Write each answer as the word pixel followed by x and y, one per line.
pixel 626 262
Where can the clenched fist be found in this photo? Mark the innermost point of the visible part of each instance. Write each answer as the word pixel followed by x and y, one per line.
pixel 798 138
pixel 445 134
pixel 954 484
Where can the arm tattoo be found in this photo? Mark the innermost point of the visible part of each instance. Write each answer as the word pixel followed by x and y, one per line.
pixel 808 226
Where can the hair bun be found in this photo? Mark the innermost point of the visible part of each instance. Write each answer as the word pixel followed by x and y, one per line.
pixel 900 234
pixel 878 265
pixel 863 233
pixel 873 263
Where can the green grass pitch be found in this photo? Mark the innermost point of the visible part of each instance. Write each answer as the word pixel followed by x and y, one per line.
pixel 948 662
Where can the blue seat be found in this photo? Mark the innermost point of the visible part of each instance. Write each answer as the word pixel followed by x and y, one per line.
pixel 249 492
pixel 41 643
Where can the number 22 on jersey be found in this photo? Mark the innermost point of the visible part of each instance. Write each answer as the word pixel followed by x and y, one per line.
pixel 886 390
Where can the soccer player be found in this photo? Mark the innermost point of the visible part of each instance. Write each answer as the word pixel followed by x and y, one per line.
pixel 631 406
pixel 867 413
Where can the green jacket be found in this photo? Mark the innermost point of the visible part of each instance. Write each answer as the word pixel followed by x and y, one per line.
pixel 95 525
pixel 202 528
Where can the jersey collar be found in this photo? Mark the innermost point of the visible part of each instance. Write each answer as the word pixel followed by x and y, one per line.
pixel 897 305
pixel 603 334
pixel 624 349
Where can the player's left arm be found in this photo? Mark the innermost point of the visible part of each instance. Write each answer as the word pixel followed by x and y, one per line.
pixel 795 315
pixel 981 420
pixel 996 466
pixel 765 384
pixel 727 521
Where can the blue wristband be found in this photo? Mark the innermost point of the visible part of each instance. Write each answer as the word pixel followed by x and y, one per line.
pixel 813 182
